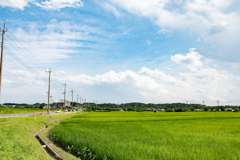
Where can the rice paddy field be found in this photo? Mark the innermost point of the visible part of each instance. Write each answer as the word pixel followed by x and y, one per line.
pixel 145 135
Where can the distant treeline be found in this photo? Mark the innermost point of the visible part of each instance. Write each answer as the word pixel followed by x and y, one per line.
pixel 16 104
pixel 135 106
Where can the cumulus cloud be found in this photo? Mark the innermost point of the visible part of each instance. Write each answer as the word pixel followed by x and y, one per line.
pixel 145 85
pixel 190 61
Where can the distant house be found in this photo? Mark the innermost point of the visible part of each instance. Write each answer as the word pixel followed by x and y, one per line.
pixel 163 110
pixel 229 109
pixel 80 109
pixel 60 103
pixel 197 110
pixel 46 107
pixel 11 106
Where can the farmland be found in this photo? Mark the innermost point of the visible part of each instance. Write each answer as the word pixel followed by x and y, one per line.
pixel 144 135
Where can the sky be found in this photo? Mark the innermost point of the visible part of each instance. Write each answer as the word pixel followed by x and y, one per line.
pixel 121 51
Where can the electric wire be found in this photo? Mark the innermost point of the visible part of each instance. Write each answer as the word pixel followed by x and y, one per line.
pixel 10 41
pixel 30 58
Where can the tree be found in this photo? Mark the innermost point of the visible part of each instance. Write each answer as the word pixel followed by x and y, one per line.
pixel 130 109
pixel 125 108
pixel 109 109
pixel 235 110
pixel 179 109
pixel 192 108
pixel 42 105
pixel 205 108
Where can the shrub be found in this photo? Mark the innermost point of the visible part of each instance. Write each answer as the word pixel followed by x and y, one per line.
pixel 169 110
pixel 235 110
pixel 179 109
pixel 192 108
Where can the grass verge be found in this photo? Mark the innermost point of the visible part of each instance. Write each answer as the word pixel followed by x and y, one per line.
pixel 5 110
pixel 57 149
pixel 16 136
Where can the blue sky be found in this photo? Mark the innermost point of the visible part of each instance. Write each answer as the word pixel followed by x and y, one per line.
pixel 118 51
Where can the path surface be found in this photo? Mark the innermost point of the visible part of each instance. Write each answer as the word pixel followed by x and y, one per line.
pixel 23 114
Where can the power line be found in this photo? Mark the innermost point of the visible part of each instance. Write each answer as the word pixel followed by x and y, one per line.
pixel 33 58
pixel 28 56
pixel 18 59
pixel 19 51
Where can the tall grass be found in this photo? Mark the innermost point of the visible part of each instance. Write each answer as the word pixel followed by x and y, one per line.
pixel 6 110
pixel 144 135
pixel 16 136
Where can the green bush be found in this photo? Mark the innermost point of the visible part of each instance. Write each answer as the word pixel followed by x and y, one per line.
pixel 179 109
pixel 169 110
pixel 235 110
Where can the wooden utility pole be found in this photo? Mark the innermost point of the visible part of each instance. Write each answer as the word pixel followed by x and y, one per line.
pixel 77 100
pixel 64 102
pixel 51 101
pixel 3 32
pixel 49 87
pixel 72 98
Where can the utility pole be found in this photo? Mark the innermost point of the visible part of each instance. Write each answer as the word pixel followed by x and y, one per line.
pixel 72 98
pixel 49 87
pixel 94 105
pixel 77 100
pixel 64 101
pixel 203 102
pixel 51 99
pixel 218 102
pixel 3 32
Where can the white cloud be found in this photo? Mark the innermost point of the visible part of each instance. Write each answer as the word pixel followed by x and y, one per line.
pixel 47 4
pixel 16 4
pixel 164 31
pixel 148 42
pixel 158 75
pixel 214 22
pixel 145 85
pixel 109 7
pixel 59 4
pixel 190 61
pixel 54 41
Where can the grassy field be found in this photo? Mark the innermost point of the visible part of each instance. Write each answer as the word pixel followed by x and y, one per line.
pixel 144 135
pixel 16 140
pixel 6 110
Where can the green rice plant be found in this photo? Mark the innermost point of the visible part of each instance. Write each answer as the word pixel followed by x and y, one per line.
pixel 148 135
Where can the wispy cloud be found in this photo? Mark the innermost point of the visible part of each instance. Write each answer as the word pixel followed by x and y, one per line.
pixel 59 4
pixel 215 22
pixel 47 4
pixel 56 40
pixel 109 7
